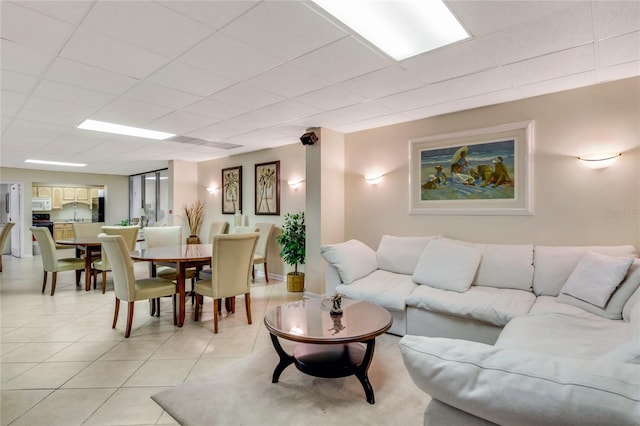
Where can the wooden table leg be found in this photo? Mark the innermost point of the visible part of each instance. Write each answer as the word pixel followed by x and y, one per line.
pixel 87 268
pixel 182 303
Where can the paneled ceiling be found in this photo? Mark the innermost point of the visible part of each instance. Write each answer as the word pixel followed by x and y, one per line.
pixel 232 77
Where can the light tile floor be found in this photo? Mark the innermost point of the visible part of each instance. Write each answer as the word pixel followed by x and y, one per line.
pixel 61 363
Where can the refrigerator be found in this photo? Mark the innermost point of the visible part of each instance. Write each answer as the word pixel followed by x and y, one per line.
pixel 97 209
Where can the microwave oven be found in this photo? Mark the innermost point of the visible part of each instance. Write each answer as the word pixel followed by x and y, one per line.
pixel 41 204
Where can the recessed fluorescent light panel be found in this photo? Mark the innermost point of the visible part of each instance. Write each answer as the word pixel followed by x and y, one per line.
pixel 103 126
pixel 399 28
pixel 55 163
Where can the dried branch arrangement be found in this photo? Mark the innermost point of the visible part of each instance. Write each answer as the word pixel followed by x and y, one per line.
pixel 195 215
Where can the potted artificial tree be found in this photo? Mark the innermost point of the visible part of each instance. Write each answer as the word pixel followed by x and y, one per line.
pixel 292 241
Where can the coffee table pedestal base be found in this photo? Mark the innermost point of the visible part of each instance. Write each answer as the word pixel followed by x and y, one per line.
pixel 329 361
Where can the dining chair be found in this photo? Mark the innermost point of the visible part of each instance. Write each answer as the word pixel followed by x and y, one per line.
pixel 6 231
pixel 245 229
pixel 158 236
pixel 260 256
pixel 217 228
pixel 50 261
pixel 86 229
pixel 125 285
pixel 232 260
pixel 130 234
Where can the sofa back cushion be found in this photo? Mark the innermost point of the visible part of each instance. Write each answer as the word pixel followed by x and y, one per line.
pixel 447 266
pixel 633 301
pixel 401 254
pixel 554 264
pixel 353 259
pixel 505 266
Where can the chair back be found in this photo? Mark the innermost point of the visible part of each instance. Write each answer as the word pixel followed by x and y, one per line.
pixel 121 266
pixel 163 236
pixel 245 229
pixel 6 231
pixel 47 247
pixel 232 262
pixel 130 234
pixel 218 228
pixel 87 229
pixel 265 230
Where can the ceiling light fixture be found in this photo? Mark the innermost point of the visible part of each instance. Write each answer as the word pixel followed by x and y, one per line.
pixel 399 28
pixel 119 129
pixel 55 163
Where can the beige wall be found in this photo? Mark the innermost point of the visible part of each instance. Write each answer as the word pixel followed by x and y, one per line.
pixel 116 193
pixel 573 205
pixel 183 184
pixel 292 166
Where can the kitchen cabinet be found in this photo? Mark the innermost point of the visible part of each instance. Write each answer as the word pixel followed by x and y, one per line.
pixel 34 192
pixel 93 193
pixel 68 195
pixel 44 192
pixel 76 195
pixel 62 231
pixel 56 198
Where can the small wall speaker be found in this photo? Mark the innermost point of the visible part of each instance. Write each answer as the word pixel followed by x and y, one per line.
pixel 308 138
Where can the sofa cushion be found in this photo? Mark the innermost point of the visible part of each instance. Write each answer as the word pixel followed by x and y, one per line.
pixel 559 334
pixel 353 259
pixel 447 266
pixel 505 266
pixel 596 277
pixel 401 254
pixel 515 387
pixel 383 288
pixel 633 301
pixel 617 301
pixel 628 353
pixel 492 305
pixel 550 304
pixel 553 265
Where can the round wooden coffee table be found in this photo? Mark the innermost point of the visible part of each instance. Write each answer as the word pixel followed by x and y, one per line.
pixel 331 346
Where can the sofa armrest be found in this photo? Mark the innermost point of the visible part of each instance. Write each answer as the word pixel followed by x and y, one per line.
pixel 516 387
pixel 331 280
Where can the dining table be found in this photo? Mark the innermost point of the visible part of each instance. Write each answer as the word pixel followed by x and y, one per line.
pixel 88 245
pixel 184 256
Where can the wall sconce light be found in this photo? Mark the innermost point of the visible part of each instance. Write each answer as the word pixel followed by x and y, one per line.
pixel 295 183
pixel 374 180
pixel 212 190
pixel 599 161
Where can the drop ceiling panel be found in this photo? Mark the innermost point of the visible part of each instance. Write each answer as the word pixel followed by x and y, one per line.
pixel 560 64
pixel 246 96
pixel 384 82
pixel 288 81
pixel 215 109
pixel 11 100
pixel 618 72
pixel 215 14
pixel 331 97
pixel 72 94
pixel 180 122
pixel 22 59
pixel 147 25
pixel 103 52
pixel 342 60
pixel 18 82
pixel 200 82
pixel 43 33
pixel 71 11
pixel 618 50
pixel 294 29
pixel 158 95
pixel 616 18
pixel 89 77
pixel 130 112
pixel 229 57
pixel 565 29
pixel 558 84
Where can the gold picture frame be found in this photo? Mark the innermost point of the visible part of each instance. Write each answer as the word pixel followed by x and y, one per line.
pixel 267 188
pixel 231 190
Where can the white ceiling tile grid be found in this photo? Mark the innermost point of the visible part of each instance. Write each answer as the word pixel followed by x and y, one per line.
pixel 257 74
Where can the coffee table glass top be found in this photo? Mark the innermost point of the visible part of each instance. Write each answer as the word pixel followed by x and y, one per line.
pixel 309 321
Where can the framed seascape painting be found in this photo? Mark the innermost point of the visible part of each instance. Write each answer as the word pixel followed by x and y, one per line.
pixel 267 187
pixel 231 190
pixel 485 171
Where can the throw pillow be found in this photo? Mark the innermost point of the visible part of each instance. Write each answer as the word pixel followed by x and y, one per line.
pixel 401 254
pixel 353 259
pixel 596 277
pixel 447 266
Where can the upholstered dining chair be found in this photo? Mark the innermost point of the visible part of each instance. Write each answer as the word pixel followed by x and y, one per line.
pixel 260 256
pixel 87 229
pixel 50 261
pixel 130 234
pixel 157 236
pixel 125 285
pixel 232 260
pixel 217 228
pixel 6 231
pixel 245 229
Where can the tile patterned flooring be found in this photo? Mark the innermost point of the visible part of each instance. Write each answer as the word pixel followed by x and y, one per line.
pixel 61 363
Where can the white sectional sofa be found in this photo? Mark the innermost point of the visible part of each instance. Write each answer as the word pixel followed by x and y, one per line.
pixel 506 334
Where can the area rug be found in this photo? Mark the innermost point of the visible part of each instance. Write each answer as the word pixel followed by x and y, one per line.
pixel 241 393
